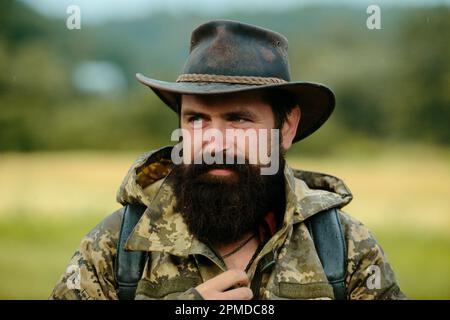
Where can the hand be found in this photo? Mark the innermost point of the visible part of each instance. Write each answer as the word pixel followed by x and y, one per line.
pixel 217 287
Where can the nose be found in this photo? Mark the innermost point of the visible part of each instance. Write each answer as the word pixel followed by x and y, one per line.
pixel 215 141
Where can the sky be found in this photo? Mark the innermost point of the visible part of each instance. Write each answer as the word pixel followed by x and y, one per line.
pixel 98 11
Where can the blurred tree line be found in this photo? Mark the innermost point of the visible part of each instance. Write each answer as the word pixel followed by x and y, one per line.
pixel 390 84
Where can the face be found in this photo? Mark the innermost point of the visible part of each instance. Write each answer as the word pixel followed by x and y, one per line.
pixel 235 125
pixel 222 202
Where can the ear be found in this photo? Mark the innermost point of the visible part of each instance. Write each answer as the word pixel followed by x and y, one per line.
pixel 289 128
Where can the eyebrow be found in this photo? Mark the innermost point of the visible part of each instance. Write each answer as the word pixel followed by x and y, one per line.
pixel 240 113
pixel 236 113
pixel 188 113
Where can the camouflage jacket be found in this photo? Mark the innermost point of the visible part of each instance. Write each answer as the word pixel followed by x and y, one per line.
pixel 177 262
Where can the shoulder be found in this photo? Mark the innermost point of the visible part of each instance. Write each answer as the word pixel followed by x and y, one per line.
pixel 360 241
pixel 105 235
pixel 352 227
pixel 90 273
pixel 369 274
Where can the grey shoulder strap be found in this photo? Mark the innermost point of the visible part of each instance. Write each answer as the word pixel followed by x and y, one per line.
pixel 326 231
pixel 128 264
pixel 324 227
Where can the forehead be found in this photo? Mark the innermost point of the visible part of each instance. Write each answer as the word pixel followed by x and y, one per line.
pixel 250 101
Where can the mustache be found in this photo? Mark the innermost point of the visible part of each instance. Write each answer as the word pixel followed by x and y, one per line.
pixel 238 164
pixel 221 158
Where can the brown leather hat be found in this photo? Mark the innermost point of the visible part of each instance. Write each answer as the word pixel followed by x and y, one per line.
pixel 229 56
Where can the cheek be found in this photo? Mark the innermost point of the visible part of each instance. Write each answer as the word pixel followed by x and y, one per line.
pixel 265 143
pixel 192 142
pixel 255 145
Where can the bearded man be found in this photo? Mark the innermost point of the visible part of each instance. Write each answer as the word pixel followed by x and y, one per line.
pixel 237 227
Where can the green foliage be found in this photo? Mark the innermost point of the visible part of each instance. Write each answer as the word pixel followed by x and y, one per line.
pixel 35 251
pixel 390 84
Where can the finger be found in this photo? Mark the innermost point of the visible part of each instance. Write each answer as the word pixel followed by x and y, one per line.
pixel 230 278
pixel 243 293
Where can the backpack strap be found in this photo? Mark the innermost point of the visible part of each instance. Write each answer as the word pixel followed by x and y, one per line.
pixel 326 231
pixel 324 227
pixel 129 264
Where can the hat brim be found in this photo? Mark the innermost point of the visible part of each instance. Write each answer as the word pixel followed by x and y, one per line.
pixel 316 101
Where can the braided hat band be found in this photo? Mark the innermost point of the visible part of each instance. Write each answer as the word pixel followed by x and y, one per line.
pixel 197 77
pixel 226 57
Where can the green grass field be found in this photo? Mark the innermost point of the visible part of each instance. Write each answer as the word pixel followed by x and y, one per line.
pixel 48 201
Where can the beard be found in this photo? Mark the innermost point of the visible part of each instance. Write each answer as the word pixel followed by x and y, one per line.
pixel 221 209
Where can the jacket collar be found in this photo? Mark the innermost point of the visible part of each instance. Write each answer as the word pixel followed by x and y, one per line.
pixel 163 229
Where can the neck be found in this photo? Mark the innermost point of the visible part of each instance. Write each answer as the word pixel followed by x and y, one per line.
pixel 240 258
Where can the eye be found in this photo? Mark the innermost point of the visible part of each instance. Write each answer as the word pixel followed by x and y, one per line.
pixel 238 119
pixel 195 121
pixel 194 118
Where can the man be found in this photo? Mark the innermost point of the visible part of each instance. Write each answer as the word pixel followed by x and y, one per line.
pixel 221 230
